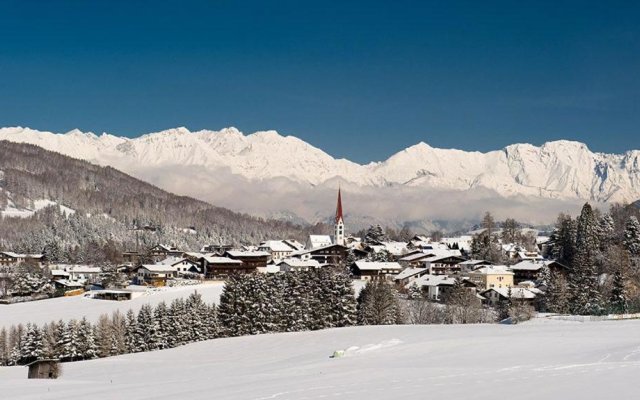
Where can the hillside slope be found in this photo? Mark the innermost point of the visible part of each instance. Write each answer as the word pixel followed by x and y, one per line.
pixel 531 361
pixel 107 203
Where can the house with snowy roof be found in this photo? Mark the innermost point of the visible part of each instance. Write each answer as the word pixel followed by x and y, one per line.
pixel 183 266
pixel 10 258
pixel 152 274
pixel 491 276
pixel 217 267
pixel 333 254
pixel 375 270
pixel 434 286
pixel 409 274
pixel 531 270
pixel 443 264
pixel 298 265
pixel 251 259
pixel 495 295
pixel 280 249
pixel 161 251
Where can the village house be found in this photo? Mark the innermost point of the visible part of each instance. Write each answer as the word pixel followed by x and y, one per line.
pixel 333 254
pixel 160 252
pixel 374 270
pixel 251 260
pixel 317 241
pixel 279 249
pixel 491 276
pixel 495 296
pixel 155 275
pixel 9 258
pixel 434 286
pixel 222 267
pixel 298 265
pixel 443 265
pixel 470 265
pixel 84 273
pixel 218 249
pixel 529 270
pixel 183 266
pixel 409 274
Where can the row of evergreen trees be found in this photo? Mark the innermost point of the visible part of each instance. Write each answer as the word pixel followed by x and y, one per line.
pixel 162 327
pixel 601 255
pixel 250 304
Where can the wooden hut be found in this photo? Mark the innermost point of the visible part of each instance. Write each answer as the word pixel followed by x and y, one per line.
pixel 44 369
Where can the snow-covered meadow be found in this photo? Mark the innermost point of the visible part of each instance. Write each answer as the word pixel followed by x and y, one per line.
pixel 536 360
pixel 76 307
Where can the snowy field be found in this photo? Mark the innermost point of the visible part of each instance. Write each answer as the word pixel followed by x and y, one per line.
pixel 66 308
pixel 536 360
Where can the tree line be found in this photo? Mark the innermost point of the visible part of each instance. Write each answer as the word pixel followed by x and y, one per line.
pixel 250 304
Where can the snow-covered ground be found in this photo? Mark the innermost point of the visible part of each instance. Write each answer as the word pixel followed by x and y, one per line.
pixel 67 308
pixel 538 360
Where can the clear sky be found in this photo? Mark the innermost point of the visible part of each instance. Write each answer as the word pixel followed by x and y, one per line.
pixel 359 79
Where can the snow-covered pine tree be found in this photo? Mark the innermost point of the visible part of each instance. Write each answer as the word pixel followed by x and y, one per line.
pixel 32 345
pixel 618 301
pixel 232 311
pixel 375 235
pixel 557 294
pixel 131 333
pixel 211 326
pixel 606 232
pixel 631 239
pixel 583 280
pixel 342 305
pixel 118 329
pixel 86 340
pixel 195 317
pixel 179 333
pixel 293 309
pixel 49 339
pixel 4 347
pixel 16 334
pixel 103 336
pixel 145 328
pixel 377 304
pixel 71 347
pixel 563 241
pixel 162 326
pixel 620 266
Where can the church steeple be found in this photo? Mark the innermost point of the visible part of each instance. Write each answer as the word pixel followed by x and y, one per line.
pixel 339 226
pixel 339 207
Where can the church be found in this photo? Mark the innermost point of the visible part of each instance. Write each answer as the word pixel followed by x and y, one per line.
pixel 338 237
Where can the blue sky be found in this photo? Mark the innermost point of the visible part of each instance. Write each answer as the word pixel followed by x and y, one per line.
pixel 361 80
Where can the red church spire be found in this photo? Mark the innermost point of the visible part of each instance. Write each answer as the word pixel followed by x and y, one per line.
pixel 339 207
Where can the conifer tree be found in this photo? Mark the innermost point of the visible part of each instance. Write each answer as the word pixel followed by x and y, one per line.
pixel 583 282
pixel 162 326
pixel 631 239
pixel 87 347
pixel 377 304
pixel 4 347
pixel 32 347
pixel 131 333
pixel 145 328
pixel 557 295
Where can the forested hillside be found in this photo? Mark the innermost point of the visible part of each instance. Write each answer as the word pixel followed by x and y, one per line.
pixel 108 204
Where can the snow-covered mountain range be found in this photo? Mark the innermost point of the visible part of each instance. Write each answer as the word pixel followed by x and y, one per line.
pixel 257 172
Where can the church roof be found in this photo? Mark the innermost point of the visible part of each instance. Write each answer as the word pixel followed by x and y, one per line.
pixel 339 208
